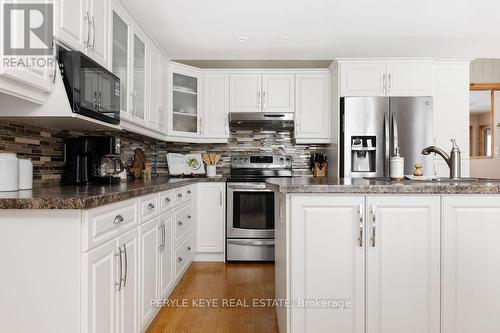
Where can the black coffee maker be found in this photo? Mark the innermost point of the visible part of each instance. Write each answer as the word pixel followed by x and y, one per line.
pixel 92 159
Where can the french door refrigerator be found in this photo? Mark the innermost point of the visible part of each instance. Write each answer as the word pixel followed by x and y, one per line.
pixel 372 127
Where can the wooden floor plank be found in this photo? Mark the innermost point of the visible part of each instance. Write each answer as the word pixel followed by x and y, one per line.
pixel 236 281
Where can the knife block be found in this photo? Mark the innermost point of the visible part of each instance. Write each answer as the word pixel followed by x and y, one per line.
pixel 317 172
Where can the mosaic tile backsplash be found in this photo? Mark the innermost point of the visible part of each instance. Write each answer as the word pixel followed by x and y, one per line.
pixel 45 147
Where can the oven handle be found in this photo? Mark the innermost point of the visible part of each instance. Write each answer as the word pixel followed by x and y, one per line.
pixel 251 243
pixel 239 189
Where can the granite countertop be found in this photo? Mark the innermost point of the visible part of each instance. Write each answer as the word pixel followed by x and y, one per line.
pixel 91 196
pixel 365 186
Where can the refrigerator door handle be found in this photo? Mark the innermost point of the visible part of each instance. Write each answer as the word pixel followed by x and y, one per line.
pixel 395 142
pixel 387 135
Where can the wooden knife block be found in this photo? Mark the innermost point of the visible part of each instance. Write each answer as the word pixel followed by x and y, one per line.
pixel 317 172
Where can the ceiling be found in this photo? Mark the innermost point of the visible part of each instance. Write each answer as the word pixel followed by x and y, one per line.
pixel 321 29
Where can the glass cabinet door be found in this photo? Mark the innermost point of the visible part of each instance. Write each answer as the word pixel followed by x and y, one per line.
pixel 185 108
pixel 120 63
pixel 139 86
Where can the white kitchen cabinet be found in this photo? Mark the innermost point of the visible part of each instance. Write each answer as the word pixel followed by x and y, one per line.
pixel 71 23
pixel 262 93
pixel 312 108
pixel 327 262
pixel 210 221
pixel 84 25
pixel 150 241
pixel 377 78
pixel 165 267
pixel 403 264
pixel 216 106
pixel 409 79
pixel 471 266
pixel 245 92
pixel 100 287
pixel 98 47
pixel 362 79
pixel 138 82
pixel 154 83
pixel 278 93
pixel 128 296
pixel 185 116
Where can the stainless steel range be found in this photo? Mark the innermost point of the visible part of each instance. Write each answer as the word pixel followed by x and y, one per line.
pixel 250 206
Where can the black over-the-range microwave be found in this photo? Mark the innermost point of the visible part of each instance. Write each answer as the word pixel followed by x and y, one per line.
pixel 93 91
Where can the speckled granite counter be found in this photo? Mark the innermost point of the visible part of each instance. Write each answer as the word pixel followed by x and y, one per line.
pixel 364 186
pixel 91 196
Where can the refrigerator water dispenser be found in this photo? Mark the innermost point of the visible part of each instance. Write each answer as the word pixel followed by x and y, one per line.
pixel 363 149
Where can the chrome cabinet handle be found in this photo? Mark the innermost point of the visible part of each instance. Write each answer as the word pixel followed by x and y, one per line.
pixel 220 198
pixel 93 30
pixel 126 265
pixel 167 200
pixel 99 100
pixel 120 269
pixel 164 236
pixel 179 195
pixel 87 18
pixel 259 100
pixel 360 227
pixel 189 216
pixel 160 227
pixel 189 192
pixel 389 82
pixel 151 206
pixel 179 259
pixel 374 226
pixel 118 219
pixel 189 248
pixel 384 83
pixel 180 223
pixel 264 100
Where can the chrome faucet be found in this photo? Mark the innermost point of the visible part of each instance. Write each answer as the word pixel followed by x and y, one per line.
pixel 453 160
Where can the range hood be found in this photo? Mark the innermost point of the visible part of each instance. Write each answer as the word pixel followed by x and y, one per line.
pixel 261 120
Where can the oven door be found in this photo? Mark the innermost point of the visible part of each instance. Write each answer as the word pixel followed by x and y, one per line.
pixel 250 211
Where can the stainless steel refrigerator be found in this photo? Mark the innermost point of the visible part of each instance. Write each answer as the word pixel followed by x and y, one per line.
pixel 372 127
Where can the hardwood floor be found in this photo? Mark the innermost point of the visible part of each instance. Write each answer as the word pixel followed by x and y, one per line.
pixel 239 283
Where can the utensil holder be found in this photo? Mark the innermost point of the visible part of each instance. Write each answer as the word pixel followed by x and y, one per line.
pixel 317 172
pixel 211 170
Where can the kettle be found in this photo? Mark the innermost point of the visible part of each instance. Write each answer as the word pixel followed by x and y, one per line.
pixel 108 166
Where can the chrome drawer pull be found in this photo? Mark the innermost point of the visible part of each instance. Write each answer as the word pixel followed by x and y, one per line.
pixel 189 248
pixel 179 259
pixel 126 264
pixel 167 200
pixel 151 206
pixel 120 269
pixel 189 216
pixel 179 195
pixel 189 192
pixel 180 223
pixel 118 219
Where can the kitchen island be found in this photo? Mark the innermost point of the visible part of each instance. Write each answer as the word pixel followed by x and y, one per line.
pixel 374 256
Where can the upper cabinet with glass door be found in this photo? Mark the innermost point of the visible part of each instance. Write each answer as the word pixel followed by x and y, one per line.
pixel 185 101
pixel 120 62
pixel 138 93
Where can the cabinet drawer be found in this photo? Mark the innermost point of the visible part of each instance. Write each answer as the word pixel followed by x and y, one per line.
pixel 166 201
pixel 183 219
pixel 149 207
pixel 104 223
pixel 183 194
pixel 183 256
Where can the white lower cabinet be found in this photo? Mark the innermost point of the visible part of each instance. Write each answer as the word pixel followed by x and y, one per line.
pixel 471 264
pixel 403 264
pixel 150 248
pixel 379 266
pixel 111 286
pixel 165 267
pixel 210 213
pixel 327 263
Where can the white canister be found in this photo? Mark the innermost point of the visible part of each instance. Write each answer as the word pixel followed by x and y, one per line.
pixel 397 166
pixel 9 172
pixel 211 170
pixel 25 174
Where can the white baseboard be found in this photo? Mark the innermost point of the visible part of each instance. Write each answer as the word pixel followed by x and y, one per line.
pixel 217 257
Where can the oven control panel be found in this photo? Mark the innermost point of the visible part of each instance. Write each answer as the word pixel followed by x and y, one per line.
pixel 261 162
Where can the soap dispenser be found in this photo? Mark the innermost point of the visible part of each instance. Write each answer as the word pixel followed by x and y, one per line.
pixel 397 166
